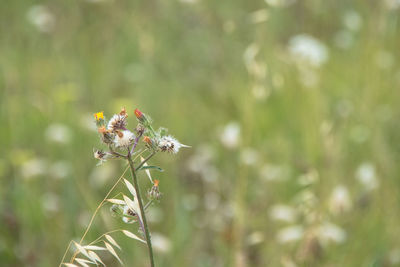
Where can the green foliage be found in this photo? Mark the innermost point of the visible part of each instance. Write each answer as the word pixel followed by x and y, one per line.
pixel 200 68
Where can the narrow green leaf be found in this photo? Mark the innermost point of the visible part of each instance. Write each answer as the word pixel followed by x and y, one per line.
pixel 150 167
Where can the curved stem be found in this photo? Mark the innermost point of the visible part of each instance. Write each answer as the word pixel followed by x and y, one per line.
pixel 141 207
pixel 96 211
pixel 65 254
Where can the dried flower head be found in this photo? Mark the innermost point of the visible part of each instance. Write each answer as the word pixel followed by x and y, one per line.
pixel 107 136
pixel 123 138
pixel 117 122
pixel 169 144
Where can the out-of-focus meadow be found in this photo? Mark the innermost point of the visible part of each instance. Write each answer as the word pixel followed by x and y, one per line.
pixel 291 109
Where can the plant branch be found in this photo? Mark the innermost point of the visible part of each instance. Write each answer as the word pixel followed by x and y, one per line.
pixel 144 161
pixel 141 207
pixel 136 142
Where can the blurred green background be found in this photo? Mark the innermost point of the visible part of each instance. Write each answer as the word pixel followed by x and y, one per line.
pixel 291 109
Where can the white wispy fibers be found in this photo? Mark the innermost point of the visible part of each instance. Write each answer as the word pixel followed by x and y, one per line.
pixel 230 136
pixel 366 175
pixel 282 212
pixel 33 168
pixel 41 17
pixel 170 144
pixel 58 133
pixel 340 200
pixel 124 138
pixel 331 233
pixel 290 234
pixel 306 48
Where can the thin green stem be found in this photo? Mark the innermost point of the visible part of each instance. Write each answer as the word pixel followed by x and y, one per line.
pixel 141 207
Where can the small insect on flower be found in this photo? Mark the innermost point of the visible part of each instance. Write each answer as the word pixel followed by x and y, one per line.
pixel 123 138
pixel 170 144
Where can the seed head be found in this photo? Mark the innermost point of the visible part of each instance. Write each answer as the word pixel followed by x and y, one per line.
pixel 169 144
pixel 123 138
pixel 117 122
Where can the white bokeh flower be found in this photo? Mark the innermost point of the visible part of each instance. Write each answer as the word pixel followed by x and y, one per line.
pixel 282 212
pixel 230 135
pixel 58 133
pixel 290 234
pixel 340 201
pixel 41 17
pixel 308 49
pixel 366 175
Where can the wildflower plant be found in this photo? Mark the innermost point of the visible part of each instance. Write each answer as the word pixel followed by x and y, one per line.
pixel 130 146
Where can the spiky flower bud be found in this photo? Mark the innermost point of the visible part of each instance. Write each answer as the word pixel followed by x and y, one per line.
pixel 138 114
pixel 154 193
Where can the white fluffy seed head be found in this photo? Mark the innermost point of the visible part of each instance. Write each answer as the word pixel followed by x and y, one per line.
pixel 124 138
pixel 169 144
